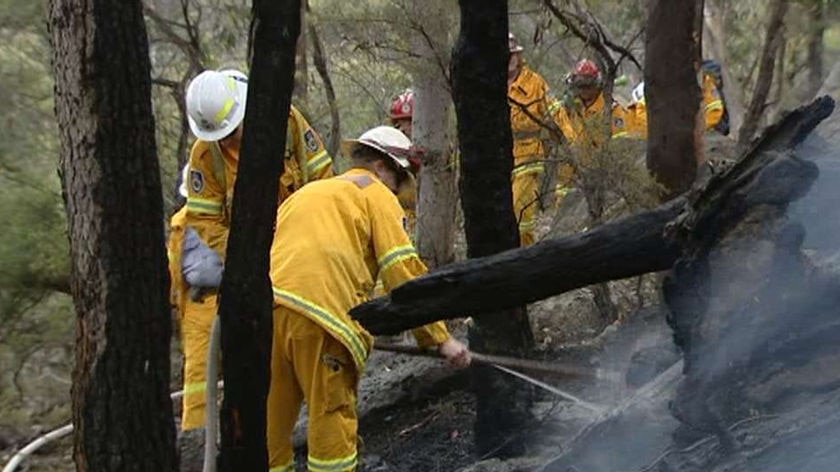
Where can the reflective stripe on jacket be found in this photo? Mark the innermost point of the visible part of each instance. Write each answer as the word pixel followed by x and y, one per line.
pixel 332 239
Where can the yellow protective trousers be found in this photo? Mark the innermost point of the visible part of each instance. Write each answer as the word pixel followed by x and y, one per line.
pixel 526 200
pixel 307 363
pixel 195 337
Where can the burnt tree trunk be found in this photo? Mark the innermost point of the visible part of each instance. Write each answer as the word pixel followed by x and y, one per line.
pixel 479 76
pixel 246 296
pixel 764 80
pixel 122 414
pixel 754 318
pixel 672 49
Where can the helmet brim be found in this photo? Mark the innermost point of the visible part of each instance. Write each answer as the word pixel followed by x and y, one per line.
pixel 347 146
pixel 234 121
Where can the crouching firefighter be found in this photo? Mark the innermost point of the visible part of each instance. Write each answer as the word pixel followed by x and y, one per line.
pixel 333 238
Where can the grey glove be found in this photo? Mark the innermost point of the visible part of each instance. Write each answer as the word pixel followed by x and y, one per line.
pixel 201 266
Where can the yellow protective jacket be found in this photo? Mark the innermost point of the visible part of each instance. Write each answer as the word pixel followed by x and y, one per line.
pixel 212 178
pixel 579 123
pixel 333 238
pixel 712 101
pixel 529 97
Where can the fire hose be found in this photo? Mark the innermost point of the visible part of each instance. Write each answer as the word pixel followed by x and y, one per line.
pixel 508 365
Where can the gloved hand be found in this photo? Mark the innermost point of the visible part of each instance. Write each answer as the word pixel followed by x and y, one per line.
pixel 201 265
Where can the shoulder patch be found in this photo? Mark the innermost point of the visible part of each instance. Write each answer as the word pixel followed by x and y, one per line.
pixel 310 140
pixel 619 123
pixel 196 180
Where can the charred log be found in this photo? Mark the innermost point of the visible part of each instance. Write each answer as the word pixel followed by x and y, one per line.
pixel 628 247
pixel 751 313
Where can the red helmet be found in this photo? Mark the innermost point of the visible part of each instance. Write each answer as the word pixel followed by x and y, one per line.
pixel 586 72
pixel 403 106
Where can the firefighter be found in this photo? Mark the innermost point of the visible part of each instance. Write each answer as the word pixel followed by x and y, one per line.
pixel 531 110
pixel 216 103
pixel 582 116
pixel 585 105
pixel 637 111
pixel 401 116
pixel 332 240
pixel 715 112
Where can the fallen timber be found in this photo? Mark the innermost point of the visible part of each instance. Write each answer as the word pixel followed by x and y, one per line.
pixel 646 242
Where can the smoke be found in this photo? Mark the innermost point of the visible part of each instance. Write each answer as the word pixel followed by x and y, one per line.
pixel 762 390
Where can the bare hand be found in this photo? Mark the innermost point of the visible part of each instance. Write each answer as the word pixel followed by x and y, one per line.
pixel 456 353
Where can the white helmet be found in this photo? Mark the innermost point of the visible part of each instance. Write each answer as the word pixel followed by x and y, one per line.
pixel 639 93
pixel 386 139
pixel 513 44
pixel 185 175
pixel 216 103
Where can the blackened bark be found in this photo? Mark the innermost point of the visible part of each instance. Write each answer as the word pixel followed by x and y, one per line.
pixel 122 414
pixel 764 80
pixel 672 51
pixel 479 76
pixel 246 297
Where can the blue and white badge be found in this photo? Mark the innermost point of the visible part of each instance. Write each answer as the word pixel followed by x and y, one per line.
pixel 196 181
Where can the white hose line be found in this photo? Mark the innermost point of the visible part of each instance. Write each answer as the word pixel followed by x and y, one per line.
pixel 47 438
pixel 18 458
pixel 211 420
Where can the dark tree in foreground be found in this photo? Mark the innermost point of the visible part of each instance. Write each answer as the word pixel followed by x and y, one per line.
pixel 122 414
pixel 479 91
pixel 246 297
pixel 672 51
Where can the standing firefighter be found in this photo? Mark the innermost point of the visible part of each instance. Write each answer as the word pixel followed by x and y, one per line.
pixel 582 118
pixel 332 240
pixel 215 108
pixel 531 109
pixel 717 116
pixel 401 116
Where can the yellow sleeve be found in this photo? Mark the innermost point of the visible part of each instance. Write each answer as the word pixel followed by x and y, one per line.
pixel 206 197
pixel 396 257
pixel 174 249
pixel 712 102
pixel 308 149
